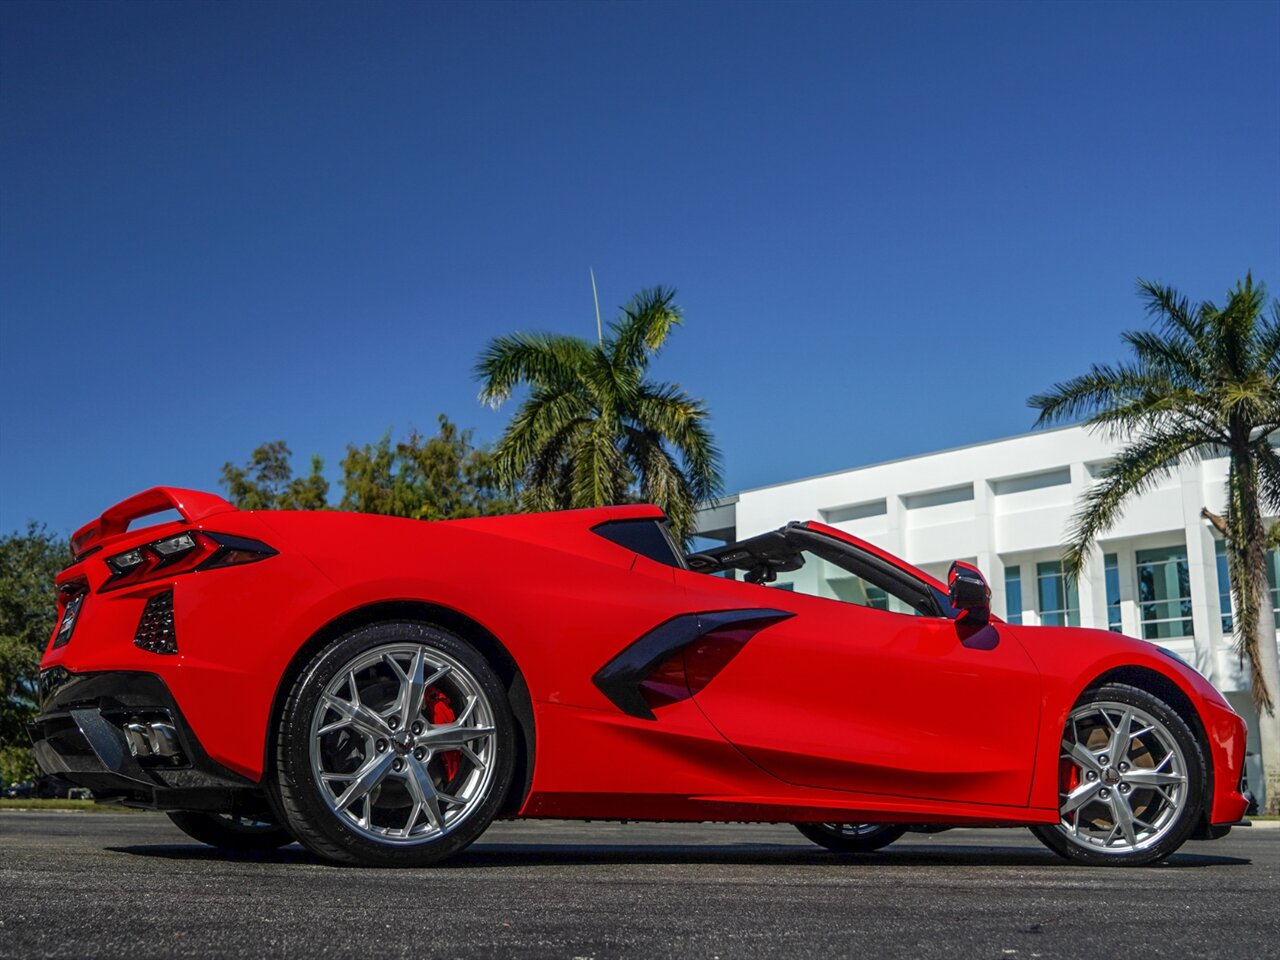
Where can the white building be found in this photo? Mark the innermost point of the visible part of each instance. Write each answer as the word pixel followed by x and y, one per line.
pixel 1006 505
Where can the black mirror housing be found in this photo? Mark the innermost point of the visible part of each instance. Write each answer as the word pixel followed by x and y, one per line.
pixel 969 592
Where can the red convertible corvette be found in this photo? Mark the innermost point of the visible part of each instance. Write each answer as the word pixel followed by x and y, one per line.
pixel 381 689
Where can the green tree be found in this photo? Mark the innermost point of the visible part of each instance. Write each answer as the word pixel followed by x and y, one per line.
pixel 1204 382
pixel 441 477
pixel 594 430
pixel 29 561
pixel 267 482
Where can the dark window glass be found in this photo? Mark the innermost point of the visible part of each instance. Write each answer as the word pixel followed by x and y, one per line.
pixel 1224 584
pixel 1059 599
pixel 1112 569
pixel 1164 593
pixel 1013 594
pixel 645 537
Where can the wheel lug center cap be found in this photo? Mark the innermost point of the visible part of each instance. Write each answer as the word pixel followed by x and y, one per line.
pixel 402 741
pixel 1110 777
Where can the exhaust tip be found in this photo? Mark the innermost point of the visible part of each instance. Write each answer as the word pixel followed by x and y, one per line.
pixel 153 740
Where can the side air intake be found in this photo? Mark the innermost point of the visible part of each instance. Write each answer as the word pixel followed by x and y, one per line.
pixel 678 657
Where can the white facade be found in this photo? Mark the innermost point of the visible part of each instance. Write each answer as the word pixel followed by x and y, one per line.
pixel 1006 505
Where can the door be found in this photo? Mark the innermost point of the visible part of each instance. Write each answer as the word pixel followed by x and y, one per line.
pixel 851 697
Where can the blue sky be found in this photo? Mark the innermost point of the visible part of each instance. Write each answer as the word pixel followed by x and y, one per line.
pixel 889 224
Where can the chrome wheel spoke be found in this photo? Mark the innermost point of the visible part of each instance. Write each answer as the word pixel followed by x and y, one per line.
pixel 1118 747
pixel 414 683
pixel 425 798
pixel 1150 778
pixel 368 777
pixel 452 737
pixel 1123 815
pixel 1082 756
pixel 470 754
pixel 1157 776
pixel 455 735
pixel 1081 795
pixel 353 714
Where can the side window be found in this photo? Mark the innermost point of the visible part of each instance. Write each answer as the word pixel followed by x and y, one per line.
pixel 821 578
pixel 647 537
pixel 804 560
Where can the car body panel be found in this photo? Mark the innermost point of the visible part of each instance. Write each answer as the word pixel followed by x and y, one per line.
pixel 927 709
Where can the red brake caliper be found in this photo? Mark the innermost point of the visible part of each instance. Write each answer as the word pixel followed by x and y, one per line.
pixel 439 709
pixel 1068 776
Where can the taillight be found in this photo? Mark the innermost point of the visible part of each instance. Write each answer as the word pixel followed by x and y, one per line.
pixel 184 552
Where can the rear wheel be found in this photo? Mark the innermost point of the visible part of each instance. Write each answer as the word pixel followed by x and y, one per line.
pixel 232 833
pixel 396 747
pixel 852 837
pixel 1131 780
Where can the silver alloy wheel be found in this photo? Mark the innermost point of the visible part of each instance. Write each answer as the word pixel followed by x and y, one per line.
pixel 1123 779
pixel 246 824
pixel 382 765
pixel 857 829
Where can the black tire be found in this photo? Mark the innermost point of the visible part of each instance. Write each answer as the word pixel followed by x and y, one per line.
pixel 852 837
pixel 230 833
pixel 1178 827
pixel 309 814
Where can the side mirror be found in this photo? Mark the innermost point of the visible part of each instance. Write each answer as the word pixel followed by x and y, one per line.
pixel 969 591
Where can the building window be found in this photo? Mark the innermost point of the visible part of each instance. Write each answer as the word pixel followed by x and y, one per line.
pixel 1273 578
pixel 1224 585
pixel 1059 601
pixel 1013 594
pixel 1112 569
pixel 1164 593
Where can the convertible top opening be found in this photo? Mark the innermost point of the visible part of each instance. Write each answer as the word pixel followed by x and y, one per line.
pixel 763 557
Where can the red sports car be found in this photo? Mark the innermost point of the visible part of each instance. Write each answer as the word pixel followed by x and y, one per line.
pixel 381 689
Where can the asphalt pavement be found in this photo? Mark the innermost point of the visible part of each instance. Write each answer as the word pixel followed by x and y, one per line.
pixel 88 885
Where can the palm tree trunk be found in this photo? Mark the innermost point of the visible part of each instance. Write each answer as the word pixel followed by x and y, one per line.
pixel 1257 620
pixel 1267 669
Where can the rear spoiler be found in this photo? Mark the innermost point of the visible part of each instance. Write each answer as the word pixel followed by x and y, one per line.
pixel 193 506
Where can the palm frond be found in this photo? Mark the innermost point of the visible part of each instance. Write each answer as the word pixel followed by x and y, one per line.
pixel 599 474
pixel 668 412
pixel 662 481
pixel 1173 309
pixel 642 329
pixel 1175 356
pixel 1178 408
pixel 1103 387
pixel 1268 345
pixel 548 360
pixel 1268 462
pixel 1238 325
pixel 1133 471
pixel 544 416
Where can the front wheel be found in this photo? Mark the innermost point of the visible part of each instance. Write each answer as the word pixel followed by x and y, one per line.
pixel 852 837
pixel 231 833
pixel 396 747
pixel 1131 780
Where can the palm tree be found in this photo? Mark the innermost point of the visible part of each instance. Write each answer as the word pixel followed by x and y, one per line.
pixel 1204 382
pixel 594 430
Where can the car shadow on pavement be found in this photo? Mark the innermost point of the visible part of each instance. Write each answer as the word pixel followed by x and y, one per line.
pixel 507 855
pixel 513 854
